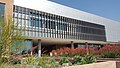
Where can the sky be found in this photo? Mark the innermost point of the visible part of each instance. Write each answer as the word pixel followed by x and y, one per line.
pixel 106 8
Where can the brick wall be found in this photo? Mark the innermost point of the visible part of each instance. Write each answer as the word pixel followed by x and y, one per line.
pixel 8 8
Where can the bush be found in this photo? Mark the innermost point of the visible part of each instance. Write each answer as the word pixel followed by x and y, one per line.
pixel 47 63
pixel 64 60
pixel 110 51
pixel 109 48
pixel 77 59
pixel 3 60
pixel 84 60
pixel 14 61
pixel 111 55
pixel 30 60
pixel 68 52
pixel 89 59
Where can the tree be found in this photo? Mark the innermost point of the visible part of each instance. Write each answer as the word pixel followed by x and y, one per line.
pixel 9 35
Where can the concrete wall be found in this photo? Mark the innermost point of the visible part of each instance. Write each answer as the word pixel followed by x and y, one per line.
pixel 118 64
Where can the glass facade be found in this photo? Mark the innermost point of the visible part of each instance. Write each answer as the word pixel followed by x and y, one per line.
pixel 24 45
pixel 2 8
pixel 42 24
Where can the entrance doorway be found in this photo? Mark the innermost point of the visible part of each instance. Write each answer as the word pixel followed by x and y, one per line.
pixel 47 48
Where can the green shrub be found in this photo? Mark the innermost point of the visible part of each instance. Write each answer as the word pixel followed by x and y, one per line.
pixel 47 63
pixel 83 60
pixel 3 60
pixel 77 59
pixel 30 60
pixel 89 59
pixel 14 61
pixel 53 63
pixel 111 55
pixel 4 65
pixel 65 60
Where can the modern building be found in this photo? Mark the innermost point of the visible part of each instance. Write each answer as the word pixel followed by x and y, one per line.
pixel 52 25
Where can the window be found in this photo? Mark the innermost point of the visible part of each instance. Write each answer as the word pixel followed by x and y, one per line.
pixel 52 25
pixel 2 8
pixel 65 27
pixel 34 22
pixel 57 26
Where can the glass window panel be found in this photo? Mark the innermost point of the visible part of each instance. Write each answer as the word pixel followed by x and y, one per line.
pixel 2 8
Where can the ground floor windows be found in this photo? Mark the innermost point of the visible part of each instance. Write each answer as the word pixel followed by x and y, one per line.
pixel 22 46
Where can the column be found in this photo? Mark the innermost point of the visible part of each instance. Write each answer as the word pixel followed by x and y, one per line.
pixel 31 52
pixel 72 45
pixel 87 47
pixel 39 48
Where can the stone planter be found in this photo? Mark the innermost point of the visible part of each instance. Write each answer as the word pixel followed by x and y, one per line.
pixel 108 59
pixel 108 64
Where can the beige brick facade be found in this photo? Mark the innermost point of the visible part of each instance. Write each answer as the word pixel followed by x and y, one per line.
pixel 8 8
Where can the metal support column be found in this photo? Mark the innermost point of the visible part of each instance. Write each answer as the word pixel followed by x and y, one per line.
pixel 87 47
pixel 39 48
pixel 72 45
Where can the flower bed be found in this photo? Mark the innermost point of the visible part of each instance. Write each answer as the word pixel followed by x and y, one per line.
pixel 108 51
pixel 49 62
pixel 71 52
pixel 77 57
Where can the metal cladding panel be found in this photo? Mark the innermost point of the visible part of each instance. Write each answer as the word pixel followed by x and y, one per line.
pixel 112 27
